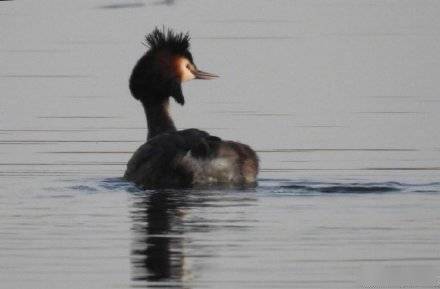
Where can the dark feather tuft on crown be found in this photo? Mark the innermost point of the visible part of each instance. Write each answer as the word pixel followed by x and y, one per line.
pixel 167 39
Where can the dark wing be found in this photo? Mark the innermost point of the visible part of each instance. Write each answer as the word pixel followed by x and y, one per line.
pixel 155 164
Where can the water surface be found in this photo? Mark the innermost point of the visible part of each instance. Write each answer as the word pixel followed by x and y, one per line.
pixel 339 98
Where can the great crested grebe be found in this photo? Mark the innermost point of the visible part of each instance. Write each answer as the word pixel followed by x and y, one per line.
pixel 184 158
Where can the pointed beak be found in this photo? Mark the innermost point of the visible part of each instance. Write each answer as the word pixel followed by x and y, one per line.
pixel 203 75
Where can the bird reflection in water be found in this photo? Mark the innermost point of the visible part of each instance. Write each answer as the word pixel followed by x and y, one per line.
pixel 157 249
pixel 165 223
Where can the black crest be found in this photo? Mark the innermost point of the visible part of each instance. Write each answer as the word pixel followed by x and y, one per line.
pixel 152 79
pixel 167 40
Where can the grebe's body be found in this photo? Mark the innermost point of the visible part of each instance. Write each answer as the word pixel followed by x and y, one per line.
pixel 189 158
pixel 185 158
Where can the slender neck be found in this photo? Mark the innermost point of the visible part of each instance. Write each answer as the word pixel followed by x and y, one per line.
pixel 158 118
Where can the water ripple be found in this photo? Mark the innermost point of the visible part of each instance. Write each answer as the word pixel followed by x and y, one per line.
pixel 266 187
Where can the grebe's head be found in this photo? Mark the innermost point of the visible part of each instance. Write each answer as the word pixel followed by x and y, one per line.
pixel 162 69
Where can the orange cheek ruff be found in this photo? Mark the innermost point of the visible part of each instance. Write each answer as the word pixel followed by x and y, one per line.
pixel 180 69
pixel 175 67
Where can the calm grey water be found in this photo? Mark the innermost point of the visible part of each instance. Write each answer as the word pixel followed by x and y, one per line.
pixel 340 99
